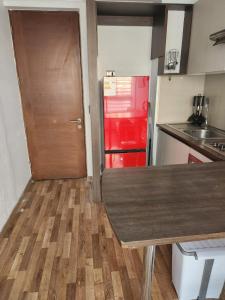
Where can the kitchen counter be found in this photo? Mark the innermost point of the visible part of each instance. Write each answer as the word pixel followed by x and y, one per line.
pixel 163 205
pixel 198 145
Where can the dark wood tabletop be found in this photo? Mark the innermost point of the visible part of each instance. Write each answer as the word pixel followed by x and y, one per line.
pixel 163 205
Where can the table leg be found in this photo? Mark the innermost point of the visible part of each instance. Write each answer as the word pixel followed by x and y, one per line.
pixel 205 279
pixel 222 296
pixel 149 258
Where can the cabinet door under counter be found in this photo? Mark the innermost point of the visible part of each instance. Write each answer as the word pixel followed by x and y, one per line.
pixel 170 151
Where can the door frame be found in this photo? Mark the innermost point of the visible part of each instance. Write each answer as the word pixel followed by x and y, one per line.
pixel 80 7
pixel 94 95
pixel 94 85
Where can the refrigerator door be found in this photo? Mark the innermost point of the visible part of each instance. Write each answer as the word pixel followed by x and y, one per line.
pixel 124 160
pixel 125 112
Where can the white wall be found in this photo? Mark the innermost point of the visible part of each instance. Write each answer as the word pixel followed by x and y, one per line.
pixel 124 49
pixel 175 95
pixel 215 90
pixel 80 6
pixel 14 162
pixel 173 102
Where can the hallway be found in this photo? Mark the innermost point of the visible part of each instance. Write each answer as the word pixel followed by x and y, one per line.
pixel 58 244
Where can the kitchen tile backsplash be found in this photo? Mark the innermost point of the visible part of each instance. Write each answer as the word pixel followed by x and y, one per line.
pixel 215 90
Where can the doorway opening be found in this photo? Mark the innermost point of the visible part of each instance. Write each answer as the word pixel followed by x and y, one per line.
pixel 127 81
pixel 124 68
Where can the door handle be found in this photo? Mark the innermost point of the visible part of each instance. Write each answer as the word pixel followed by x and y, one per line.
pixel 76 121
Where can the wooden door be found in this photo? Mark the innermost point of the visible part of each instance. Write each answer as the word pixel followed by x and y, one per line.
pixel 47 50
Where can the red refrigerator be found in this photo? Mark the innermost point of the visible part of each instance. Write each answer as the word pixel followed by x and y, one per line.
pixel 125 121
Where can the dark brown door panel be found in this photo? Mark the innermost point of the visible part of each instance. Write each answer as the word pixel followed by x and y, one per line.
pixel 47 50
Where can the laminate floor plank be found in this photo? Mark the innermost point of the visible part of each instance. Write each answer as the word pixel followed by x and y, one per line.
pixel 58 244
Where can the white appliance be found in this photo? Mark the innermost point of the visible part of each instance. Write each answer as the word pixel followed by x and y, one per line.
pixel 198 269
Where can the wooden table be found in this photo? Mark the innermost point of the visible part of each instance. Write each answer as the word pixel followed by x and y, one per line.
pixel 165 205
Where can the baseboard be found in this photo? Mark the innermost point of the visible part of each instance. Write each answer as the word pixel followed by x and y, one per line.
pixel 89 179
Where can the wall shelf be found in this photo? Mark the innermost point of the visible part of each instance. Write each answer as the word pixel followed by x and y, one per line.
pixel 218 37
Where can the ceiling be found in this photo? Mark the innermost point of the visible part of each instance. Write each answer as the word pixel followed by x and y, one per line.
pixel 128 9
pixel 147 8
pixel 154 1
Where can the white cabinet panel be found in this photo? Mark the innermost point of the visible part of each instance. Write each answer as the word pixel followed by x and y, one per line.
pixel 208 18
pixel 170 151
pixel 174 36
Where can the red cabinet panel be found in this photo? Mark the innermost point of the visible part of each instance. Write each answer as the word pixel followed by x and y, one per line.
pixel 194 160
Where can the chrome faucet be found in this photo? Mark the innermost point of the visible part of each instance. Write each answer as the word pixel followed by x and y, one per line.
pixel 206 111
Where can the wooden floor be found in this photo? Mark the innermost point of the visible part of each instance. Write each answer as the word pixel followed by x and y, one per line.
pixel 58 244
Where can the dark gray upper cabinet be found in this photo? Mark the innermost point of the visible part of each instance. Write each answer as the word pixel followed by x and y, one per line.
pixel 171 38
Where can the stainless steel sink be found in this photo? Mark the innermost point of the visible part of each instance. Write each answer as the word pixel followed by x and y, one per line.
pixel 209 133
